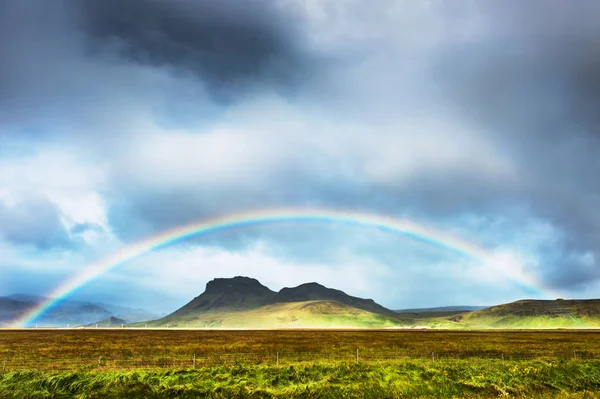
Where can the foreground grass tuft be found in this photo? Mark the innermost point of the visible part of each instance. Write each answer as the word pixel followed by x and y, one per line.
pixel 411 379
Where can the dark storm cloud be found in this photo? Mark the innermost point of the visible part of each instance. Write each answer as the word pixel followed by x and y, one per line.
pixel 227 44
pixel 532 82
pixel 35 222
pixel 65 66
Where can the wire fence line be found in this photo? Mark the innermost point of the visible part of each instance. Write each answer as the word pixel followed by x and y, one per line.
pixel 23 362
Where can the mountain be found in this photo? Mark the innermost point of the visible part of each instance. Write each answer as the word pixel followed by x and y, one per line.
pixel 130 314
pixel 245 302
pixel 26 298
pixel 530 313
pixel 315 291
pixel 229 294
pixel 11 309
pixel 108 322
pixel 67 312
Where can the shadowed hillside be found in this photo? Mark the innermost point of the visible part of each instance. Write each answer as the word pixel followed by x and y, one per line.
pixel 228 294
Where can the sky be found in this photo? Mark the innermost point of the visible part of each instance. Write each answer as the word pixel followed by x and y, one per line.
pixel 120 119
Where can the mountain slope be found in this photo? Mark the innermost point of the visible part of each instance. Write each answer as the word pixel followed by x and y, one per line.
pixel 305 314
pixel 315 291
pixel 245 302
pixel 228 294
pixel 536 314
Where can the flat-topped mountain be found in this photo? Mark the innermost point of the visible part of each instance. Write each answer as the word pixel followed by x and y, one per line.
pixel 245 302
pixel 229 294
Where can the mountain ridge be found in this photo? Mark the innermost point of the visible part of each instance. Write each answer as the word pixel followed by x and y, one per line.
pixel 536 313
pixel 67 312
pixel 226 296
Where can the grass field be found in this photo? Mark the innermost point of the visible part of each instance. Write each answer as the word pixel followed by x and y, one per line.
pixel 299 363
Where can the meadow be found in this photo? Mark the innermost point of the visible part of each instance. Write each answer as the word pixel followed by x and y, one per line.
pixel 299 363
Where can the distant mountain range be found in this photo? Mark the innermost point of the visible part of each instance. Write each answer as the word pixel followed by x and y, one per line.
pixel 67 312
pixel 243 302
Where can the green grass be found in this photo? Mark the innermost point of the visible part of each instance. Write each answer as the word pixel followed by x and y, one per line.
pixel 157 364
pixel 411 379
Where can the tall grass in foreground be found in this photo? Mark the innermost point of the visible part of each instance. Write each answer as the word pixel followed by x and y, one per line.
pixel 410 379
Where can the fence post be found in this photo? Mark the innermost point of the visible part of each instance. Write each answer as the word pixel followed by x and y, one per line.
pixel 99 360
pixel 356 355
pixel 277 358
pixel 3 367
pixel 432 357
pixel 503 359
pixel 194 365
pixel 574 355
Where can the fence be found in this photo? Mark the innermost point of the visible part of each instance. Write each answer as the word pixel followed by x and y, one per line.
pixel 36 362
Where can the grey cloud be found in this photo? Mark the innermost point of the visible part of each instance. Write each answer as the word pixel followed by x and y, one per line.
pixel 227 44
pixel 35 222
pixel 532 83
pixel 88 68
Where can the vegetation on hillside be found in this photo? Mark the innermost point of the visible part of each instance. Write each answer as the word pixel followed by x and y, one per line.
pixel 536 314
pixel 308 314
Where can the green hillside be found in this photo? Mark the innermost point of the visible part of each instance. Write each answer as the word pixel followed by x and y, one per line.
pixel 307 314
pixel 537 314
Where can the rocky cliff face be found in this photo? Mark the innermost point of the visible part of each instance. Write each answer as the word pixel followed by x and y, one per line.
pixel 227 294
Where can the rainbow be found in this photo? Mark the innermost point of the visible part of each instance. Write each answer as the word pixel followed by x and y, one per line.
pixel 502 264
